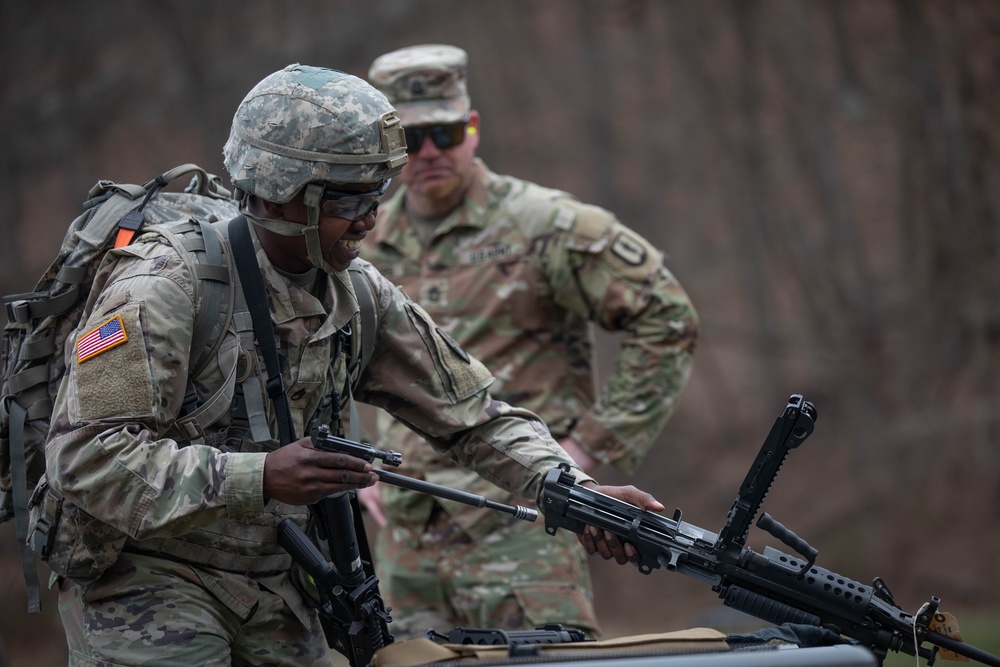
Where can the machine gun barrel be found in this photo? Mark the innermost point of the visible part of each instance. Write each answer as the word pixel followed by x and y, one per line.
pixel 352 613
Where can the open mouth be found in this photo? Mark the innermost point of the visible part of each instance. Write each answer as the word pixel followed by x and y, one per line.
pixel 353 244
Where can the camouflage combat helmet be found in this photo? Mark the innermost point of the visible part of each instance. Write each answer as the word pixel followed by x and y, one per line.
pixel 309 124
pixel 303 127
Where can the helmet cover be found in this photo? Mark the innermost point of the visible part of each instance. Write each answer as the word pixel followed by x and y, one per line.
pixel 306 125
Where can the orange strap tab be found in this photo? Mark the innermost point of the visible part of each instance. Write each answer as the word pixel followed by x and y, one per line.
pixel 124 237
pixel 127 228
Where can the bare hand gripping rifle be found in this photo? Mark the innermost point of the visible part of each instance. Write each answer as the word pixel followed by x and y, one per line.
pixel 773 586
pixel 354 617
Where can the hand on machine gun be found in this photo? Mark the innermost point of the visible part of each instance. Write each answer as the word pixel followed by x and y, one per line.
pixel 606 543
pixel 354 617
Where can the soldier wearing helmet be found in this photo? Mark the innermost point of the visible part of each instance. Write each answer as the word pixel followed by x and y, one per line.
pixel 171 555
pixel 519 275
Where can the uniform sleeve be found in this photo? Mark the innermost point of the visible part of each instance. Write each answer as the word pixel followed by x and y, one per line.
pixel 424 379
pixel 126 377
pixel 600 269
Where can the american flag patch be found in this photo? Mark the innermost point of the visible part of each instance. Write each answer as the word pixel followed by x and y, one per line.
pixel 103 338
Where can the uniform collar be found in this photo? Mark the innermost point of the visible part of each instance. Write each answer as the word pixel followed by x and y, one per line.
pixel 289 302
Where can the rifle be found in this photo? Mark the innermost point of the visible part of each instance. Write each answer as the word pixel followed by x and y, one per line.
pixel 773 586
pixel 354 617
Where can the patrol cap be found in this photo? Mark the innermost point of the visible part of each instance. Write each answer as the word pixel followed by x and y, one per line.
pixel 426 83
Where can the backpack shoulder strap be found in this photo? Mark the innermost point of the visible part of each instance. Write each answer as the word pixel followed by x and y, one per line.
pixel 363 346
pixel 210 262
pixel 207 246
pixel 369 319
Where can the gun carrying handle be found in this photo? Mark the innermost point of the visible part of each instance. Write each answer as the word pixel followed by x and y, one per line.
pixel 801 547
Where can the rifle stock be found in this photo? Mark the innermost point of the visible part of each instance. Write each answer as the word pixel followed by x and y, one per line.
pixel 773 586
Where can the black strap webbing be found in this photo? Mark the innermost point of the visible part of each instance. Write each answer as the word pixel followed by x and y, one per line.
pixel 253 290
pixel 19 481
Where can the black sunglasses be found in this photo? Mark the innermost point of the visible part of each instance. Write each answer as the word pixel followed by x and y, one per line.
pixel 444 136
pixel 351 205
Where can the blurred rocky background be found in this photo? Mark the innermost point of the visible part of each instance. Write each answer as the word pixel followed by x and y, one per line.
pixel 824 177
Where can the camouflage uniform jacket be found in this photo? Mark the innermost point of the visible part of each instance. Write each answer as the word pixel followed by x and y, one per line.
pixel 517 275
pixel 202 502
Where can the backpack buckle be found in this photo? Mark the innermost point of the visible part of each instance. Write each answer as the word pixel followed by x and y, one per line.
pixel 18 311
pixel 273 386
pixel 42 537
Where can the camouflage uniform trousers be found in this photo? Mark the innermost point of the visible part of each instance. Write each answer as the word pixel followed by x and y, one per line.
pixel 159 613
pixel 516 578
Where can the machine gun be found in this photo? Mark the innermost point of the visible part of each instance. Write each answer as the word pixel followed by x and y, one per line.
pixel 354 617
pixel 773 586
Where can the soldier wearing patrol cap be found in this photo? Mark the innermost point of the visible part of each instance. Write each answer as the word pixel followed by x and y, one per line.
pixel 166 552
pixel 519 275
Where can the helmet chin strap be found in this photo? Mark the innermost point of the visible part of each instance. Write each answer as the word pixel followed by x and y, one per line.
pixel 314 251
pixel 313 194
